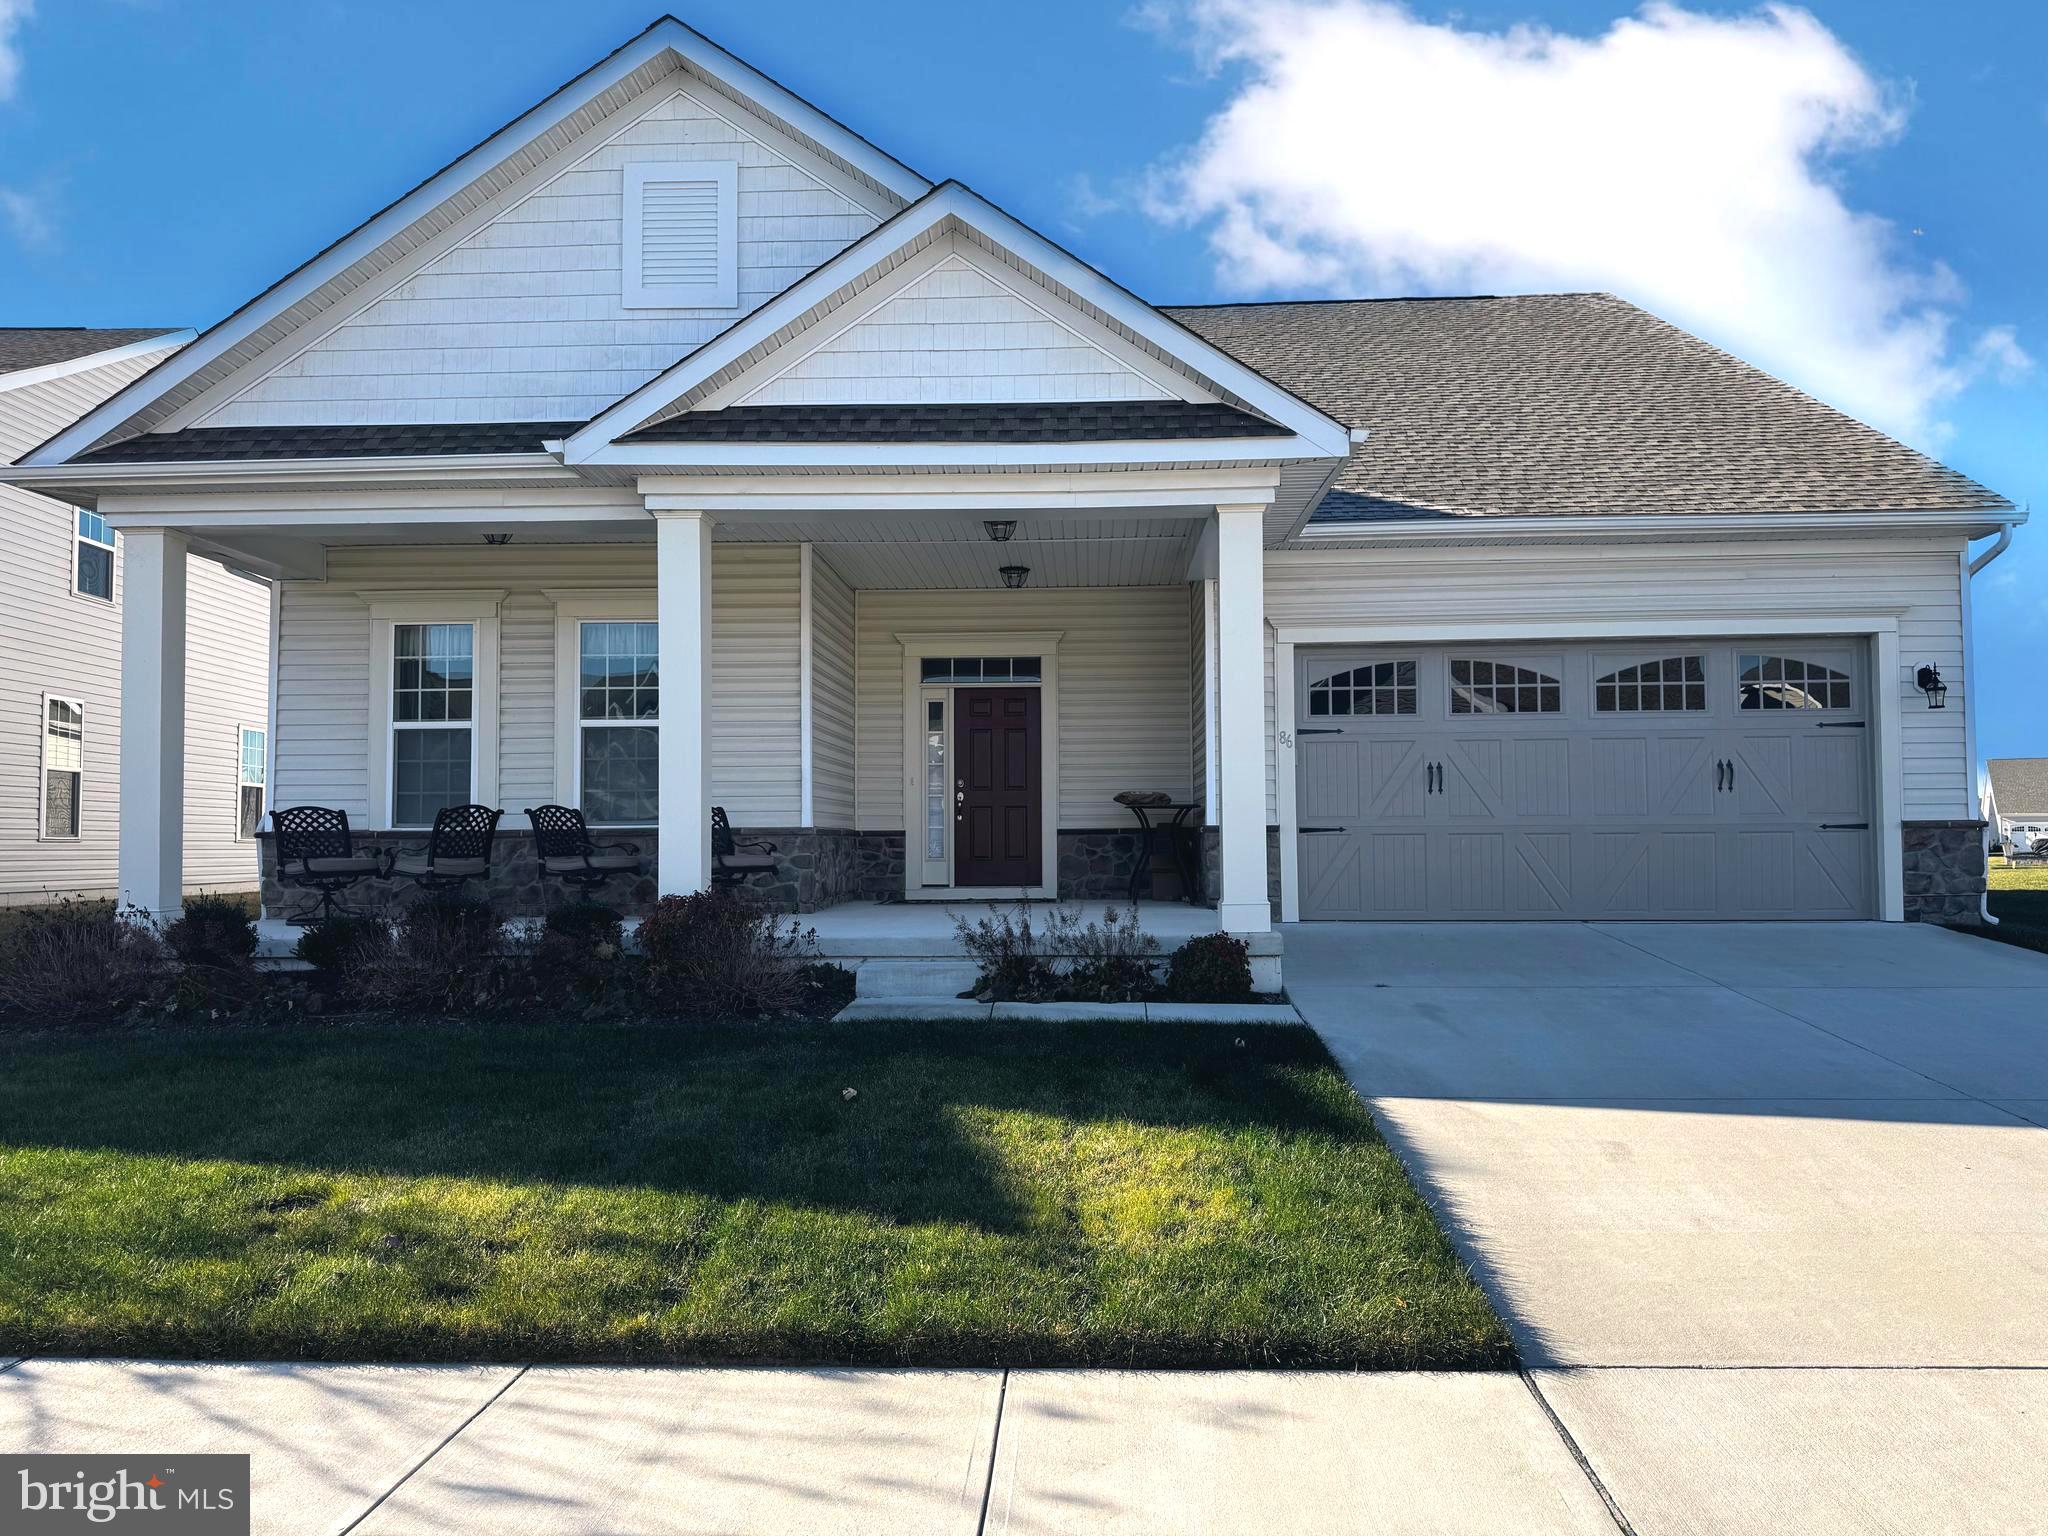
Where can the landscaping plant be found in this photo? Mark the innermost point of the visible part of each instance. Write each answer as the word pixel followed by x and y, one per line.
pixel 712 955
pixel 444 956
pixel 578 955
pixel 1210 968
pixel 1014 958
pixel 84 963
pixel 214 940
pixel 1108 962
pixel 335 946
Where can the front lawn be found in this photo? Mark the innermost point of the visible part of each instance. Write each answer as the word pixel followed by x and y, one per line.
pixel 1002 1194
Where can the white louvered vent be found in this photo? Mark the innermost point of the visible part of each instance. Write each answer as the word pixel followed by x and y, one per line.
pixel 681 236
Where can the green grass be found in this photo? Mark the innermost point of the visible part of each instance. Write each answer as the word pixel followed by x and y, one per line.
pixel 2026 877
pixel 1029 1194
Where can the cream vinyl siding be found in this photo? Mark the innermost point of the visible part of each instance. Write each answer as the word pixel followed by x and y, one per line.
pixel 832 711
pixel 324 661
pixel 1198 692
pixel 1123 690
pixel 525 320
pixel 1919 578
pixel 227 686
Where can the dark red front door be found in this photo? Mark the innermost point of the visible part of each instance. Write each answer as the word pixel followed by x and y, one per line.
pixel 996 808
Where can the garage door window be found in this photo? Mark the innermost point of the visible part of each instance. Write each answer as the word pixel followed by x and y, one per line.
pixel 1379 688
pixel 1502 688
pixel 1787 682
pixel 1672 684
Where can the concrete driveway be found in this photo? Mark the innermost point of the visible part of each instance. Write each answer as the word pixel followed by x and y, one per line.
pixel 1810 1158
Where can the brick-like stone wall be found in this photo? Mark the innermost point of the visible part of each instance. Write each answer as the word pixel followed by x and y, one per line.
pixel 1212 867
pixel 1945 874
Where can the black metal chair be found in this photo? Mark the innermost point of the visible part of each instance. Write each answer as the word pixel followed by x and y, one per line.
pixel 316 853
pixel 458 849
pixel 731 861
pixel 562 840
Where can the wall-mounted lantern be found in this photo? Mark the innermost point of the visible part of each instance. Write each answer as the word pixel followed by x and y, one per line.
pixel 1928 681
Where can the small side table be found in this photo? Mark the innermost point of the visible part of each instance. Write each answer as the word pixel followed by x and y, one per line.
pixel 1169 824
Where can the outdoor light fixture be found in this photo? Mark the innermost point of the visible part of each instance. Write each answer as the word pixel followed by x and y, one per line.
pixel 1000 529
pixel 1015 575
pixel 1928 681
pixel 497 538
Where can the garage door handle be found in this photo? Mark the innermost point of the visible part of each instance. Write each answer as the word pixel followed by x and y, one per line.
pixel 1840 725
pixel 1306 830
pixel 1845 826
pixel 1319 730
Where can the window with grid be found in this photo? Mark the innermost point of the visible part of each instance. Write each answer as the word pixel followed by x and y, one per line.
pixel 1673 684
pixel 93 561
pixel 1788 682
pixel 1377 688
pixel 619 726
pixel 249 783
pixel 433 742
pixel 63 765
pixel 980 669
pixel 1502 688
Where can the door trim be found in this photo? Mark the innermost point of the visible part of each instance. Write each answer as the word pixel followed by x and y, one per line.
pixel 1880 629
pixel 1045 645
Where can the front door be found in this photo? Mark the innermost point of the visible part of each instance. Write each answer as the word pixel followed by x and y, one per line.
pixel 997 803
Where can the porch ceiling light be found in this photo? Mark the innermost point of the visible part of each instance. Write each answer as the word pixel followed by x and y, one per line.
pixel 1928 681
pixel 1016 575
pixel 497 538
pixel 1000 529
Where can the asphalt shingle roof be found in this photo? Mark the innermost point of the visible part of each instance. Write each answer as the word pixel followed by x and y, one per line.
pixel 1028 422
pixel 39 346
pixel 1569 404
pixel 196 444
pixel 2019 785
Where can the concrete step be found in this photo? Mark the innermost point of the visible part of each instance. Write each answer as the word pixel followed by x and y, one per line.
pixel 934 978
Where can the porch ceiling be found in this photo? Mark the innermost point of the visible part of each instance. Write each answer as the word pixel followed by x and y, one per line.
pixel 932 555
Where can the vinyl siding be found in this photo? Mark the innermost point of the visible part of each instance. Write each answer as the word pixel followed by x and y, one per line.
pixel 832 707
pixel 1123 690
pixel 1919 578
pixel 1198 691
pixel 324 661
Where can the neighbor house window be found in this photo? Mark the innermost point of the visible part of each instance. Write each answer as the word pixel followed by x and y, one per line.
pixel 1787 682
pixel 1502 688
pixel 1378 688
pixel 249 783
pixel 63 765
pixel 433 732
pixel 619 721
pixel 92 571
pixel 1672 684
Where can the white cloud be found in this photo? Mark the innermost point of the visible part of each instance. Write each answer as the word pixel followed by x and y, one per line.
pixel 26 218
pixel 1684 161
pixel 12 14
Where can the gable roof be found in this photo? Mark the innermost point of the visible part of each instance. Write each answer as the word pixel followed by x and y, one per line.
pixel 40 346
pixel 1565 404
pixel 2019 785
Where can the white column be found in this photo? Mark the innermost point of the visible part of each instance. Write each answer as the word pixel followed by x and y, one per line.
pixel 152 846
pixel 683 606
pixel 1241 716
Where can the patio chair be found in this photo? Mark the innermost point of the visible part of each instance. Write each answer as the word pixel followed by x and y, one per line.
pixel 732 862
pixel 316 853
pixel 562 840
pixel 458 849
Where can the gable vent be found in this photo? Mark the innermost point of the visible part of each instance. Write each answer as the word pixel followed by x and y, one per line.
pixel 681 236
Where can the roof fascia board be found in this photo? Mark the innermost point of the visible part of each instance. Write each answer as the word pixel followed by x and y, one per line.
pixel 1661 525
pixel 25 378
pixel 1143 452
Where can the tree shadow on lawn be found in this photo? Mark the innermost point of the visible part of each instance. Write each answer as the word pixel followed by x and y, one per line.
pixel 730 1113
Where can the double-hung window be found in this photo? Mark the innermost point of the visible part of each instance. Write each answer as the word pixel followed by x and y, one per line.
pixel 618 729
pixel 249 782
pixel 433 714
pixel 92 561
pixel 63 765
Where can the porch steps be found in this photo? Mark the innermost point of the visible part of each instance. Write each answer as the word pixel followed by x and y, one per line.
pixel 927 978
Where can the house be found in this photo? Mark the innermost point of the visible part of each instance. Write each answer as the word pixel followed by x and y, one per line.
pixel 65 577
pixel 678 447
pixel 2016 801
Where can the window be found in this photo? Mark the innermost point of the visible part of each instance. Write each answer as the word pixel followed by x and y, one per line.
pixel 935 796
pixel 681 236
pixel 1502 688
pixel 619 679
pixel 1378 688
pixel 979 669
pixel 1672 684
pixel 432 720
pixel 249 778
pixel 63 765
pixel 1787 682
pixel 92 572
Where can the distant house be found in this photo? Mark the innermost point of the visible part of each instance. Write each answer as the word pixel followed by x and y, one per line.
pixel 2016 800
pixel 62 580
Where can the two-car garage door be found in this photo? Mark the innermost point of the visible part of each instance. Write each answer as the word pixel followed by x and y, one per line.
pixel 1661 779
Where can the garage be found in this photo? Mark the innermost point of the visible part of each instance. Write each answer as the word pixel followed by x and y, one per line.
pixel 1612 780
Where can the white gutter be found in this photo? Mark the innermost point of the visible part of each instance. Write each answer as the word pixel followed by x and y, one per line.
pixel 2003 543
pixel 1472 529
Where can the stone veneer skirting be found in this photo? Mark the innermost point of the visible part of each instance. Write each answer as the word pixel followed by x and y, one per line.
pixel 1945 872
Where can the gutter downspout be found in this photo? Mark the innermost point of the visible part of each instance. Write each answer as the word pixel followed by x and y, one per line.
pixel 2004 542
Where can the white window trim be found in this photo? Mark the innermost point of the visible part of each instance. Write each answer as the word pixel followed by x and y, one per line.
pixel 241 783
pixel 574 609
pixel 721 293
pixel 918 644
pixel 113 549
pixel 466 606
pixel 43 832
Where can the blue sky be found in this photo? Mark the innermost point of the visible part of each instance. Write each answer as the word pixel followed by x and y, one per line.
pixel 1851 195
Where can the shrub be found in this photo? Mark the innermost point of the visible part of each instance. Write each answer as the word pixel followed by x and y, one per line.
pixel 213 931
pixel 709 954
pixel 1210 968
pixel 335 947
pixel 83 962
pixel 825 988
pixel 444 957
pixel 1012 955
pixel 1111 960
pixel 579 953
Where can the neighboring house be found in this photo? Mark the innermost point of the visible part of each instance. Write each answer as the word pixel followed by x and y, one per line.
pixel 676 446
pixel 63 573
pixel 2016 800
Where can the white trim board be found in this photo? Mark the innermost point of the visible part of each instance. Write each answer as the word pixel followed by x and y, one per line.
pixel 573 608
pixel 468 605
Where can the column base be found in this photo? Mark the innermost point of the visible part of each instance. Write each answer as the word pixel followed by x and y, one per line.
pixel 1245 917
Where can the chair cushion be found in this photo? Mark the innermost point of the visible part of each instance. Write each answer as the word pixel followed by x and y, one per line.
pixel 355 864
pixel 418 864
pixel 746 861
pixel 610 863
